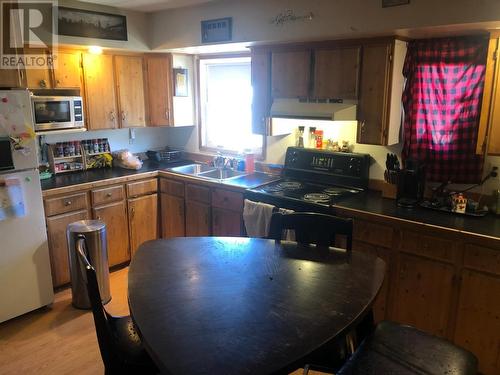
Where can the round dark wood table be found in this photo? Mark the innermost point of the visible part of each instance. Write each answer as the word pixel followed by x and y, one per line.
pixel 223 305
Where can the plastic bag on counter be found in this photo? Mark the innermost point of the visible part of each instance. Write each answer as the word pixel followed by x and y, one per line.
pixel 125 159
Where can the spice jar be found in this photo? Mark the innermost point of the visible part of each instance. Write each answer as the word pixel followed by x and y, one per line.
pixel 319 139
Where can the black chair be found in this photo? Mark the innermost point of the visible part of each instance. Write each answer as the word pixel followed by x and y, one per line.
pixel 120 345
pixel 403 350
pixel 312 228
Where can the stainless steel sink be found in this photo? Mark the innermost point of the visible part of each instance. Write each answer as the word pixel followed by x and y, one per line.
pixel 193 169
pixel 207 171
pixel 221 174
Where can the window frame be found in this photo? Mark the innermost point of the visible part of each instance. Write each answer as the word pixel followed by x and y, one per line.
pixel 215 150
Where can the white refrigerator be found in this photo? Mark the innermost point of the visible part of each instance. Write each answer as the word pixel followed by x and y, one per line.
pixel 25 277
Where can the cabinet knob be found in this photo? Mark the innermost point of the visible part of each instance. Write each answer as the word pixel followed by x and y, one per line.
pixel 58 82
pixel 167 115
pixel 362 126
pixel 98 218
pixel 43 83
pixel 123 116
pixel 109 195
pixel 68 203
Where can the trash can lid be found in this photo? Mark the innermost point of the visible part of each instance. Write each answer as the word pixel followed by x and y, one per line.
pixel 86 226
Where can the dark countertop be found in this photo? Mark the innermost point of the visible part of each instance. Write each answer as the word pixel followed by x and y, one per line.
pixel 372 202
pixel 93 175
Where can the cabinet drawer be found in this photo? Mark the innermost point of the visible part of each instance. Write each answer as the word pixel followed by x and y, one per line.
pixel 135 189
pixel 67 203
pixel 372 233
pixel 482 258
pixel 198 193
pixel 172 187
pixel 227 199
pixel 428 246
pixel 107 194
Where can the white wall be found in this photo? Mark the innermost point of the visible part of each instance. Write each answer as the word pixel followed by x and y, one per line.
pixel 184 107
pixel 332 19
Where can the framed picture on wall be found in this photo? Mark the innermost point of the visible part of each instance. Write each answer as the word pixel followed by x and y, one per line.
pixel 217 31
pixel 180 82
pixel 393 3
pixel 90 24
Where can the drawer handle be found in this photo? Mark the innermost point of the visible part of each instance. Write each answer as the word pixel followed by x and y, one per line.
pixel 68 203
pixel 109 195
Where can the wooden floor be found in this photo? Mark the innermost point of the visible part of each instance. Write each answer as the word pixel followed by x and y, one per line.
pixel 60 339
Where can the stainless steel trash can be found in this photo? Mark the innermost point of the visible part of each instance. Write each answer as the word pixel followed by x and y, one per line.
pixel 94 232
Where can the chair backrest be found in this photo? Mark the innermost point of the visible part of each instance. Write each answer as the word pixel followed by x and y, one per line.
pixel 101 317
pixel 312 228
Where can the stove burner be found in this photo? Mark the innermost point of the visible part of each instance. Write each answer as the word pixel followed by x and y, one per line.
pixel 317 198
pixel 338 191
pixel 285 185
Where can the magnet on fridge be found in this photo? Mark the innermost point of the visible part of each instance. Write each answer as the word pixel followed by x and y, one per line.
pixel 27 179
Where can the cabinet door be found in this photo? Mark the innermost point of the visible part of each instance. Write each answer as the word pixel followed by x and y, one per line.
pixel 197 219
pixel 67 70
pixel 226 222
pixel 114 216
pixel 12 78
pixel 172 216
pixel 336 73
pixel 374 94
pixel 290 74
pixel 159 84
pixel 143 220
pixel 58 249
pixel 261 84
pixel 39 78
pixel 100 96
pixel 478 323
pixel 380 305
pixel 130 89
pixel 423 294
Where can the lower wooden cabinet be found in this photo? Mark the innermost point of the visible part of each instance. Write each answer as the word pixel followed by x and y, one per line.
pixel 114 215
pixel 197 219
pixel 172 216
pixel 423 294
pixel 58 248
pixel 226 222
pixel 143 220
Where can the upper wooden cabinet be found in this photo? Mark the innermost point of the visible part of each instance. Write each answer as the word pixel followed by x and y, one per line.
pixel 290 74
pixel 336 73
pixel 12 78
pixel 382 83
pixel 159 85
pixel 261 84
pixel 39 78
pixel 129 72
pixel 100 98
pixel 67 70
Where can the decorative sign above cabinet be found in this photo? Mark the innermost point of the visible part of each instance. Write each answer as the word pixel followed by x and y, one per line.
pixel 289 16
pixel 218 30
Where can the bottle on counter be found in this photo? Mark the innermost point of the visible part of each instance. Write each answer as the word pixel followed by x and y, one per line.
pixel 300 137
pixel 312 137
pixel 319 139
pixel 249 161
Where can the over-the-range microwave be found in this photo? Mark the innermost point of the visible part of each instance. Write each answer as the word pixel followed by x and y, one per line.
pixel 57 112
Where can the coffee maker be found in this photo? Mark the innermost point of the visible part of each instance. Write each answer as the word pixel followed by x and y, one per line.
pixel 411 184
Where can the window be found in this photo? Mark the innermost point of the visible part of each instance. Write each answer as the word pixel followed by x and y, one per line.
pixel 226 105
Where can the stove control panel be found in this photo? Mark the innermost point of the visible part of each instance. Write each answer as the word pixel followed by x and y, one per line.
pixel 332 165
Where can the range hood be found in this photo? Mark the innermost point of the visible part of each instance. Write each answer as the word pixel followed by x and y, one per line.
pixel 315 109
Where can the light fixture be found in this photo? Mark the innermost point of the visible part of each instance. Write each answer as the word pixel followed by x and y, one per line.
pixel 96 50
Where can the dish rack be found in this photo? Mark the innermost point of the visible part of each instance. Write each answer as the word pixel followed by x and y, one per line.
pixel 164 155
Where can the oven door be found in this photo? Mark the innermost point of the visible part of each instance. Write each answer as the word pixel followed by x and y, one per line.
pixel 51 113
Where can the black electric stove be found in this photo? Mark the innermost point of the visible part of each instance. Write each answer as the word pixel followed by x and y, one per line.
pixel 315 180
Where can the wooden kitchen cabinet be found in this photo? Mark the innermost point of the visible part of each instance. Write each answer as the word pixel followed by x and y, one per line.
pixel 143 220
pixel 160 89
pixel 12 78
pixel 172 216
pixel 198 219
pixel 58 249
pixel 129 72
pixel 423 294
pixel 39 78
pixel 290 74
pixel 100 97
pixel 226 222
pixel 67 70
pixel 381 88
pixel 114 215
pixel 261 85
pixel 336 73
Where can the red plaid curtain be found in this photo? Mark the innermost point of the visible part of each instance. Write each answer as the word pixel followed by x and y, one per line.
pixel 442 103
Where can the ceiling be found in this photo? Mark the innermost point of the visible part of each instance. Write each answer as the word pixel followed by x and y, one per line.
pixel 147 5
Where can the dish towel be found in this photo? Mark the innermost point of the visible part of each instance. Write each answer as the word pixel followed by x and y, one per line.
pixel 257 218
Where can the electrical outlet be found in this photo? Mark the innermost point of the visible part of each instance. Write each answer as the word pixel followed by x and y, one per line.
pixel 131 136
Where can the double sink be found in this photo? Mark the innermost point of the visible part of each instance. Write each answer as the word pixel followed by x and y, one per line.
pixel 208 172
